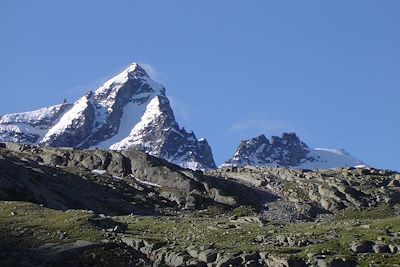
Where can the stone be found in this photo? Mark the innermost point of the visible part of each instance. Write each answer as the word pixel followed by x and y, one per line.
pixel 193 252
pixel 190 202
pixel 63 235
pixel 276 261
pixel 263 255
pixel 135 243
pixel 250 256
pixel 227 261
pixel 208 255
pixel 259 239
pixel 196 263
pixel 252 263
pixel 381 248
pixel 365 247
pixel 394 183
pixel 282 239
pixel 393 248
pixel 340 263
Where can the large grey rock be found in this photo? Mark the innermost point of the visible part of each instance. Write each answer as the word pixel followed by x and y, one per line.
pixel 208 255
pixel 381 248
pixel 227 261
pixel 282 261
pixel 364 247
pixel 393 248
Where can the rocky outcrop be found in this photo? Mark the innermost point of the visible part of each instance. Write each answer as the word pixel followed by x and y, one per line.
pixel 55 177
pixel 305 194
pixel 209 256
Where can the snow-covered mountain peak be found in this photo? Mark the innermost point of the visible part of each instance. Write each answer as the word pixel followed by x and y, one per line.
pixel 134 71
pixel 134 74
pixel 129 111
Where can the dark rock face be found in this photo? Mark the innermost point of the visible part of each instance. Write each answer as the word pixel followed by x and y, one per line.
pixel 77 130
pixel 112 116
pixel 178 145
pixel 286 150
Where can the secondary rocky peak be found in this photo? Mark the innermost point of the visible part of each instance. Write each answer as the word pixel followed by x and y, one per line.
pixel 285 138
pixel 289 141
pixel 289 151
pixel 259 140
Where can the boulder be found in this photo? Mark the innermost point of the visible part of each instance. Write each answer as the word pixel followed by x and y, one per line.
pixel 275 261
pixel 363 247
pixel 208 255
pixel 227 261
pixel 381 248
pixel 393 248
pixel 333 263
pixel 394 183
pixel 250 256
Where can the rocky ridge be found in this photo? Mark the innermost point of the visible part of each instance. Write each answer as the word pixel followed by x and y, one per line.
pixel 111 181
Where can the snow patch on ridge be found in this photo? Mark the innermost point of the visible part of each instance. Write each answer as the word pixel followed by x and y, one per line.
pixel 43 115
pixel 67 121
pixel 152 111
pixel 30 127
pixel 131 116
pixel 329 158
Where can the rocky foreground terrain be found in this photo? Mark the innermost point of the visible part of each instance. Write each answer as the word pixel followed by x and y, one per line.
pixel 68 207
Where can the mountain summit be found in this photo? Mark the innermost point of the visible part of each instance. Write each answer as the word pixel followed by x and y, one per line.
pixel 129 111
pixel 288 151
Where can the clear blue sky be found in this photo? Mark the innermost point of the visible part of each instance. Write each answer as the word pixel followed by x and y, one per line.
pixel 328 70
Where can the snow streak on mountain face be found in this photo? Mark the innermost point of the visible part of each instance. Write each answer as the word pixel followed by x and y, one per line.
pixel 128 111
pixel 289 151
pixel 30 127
